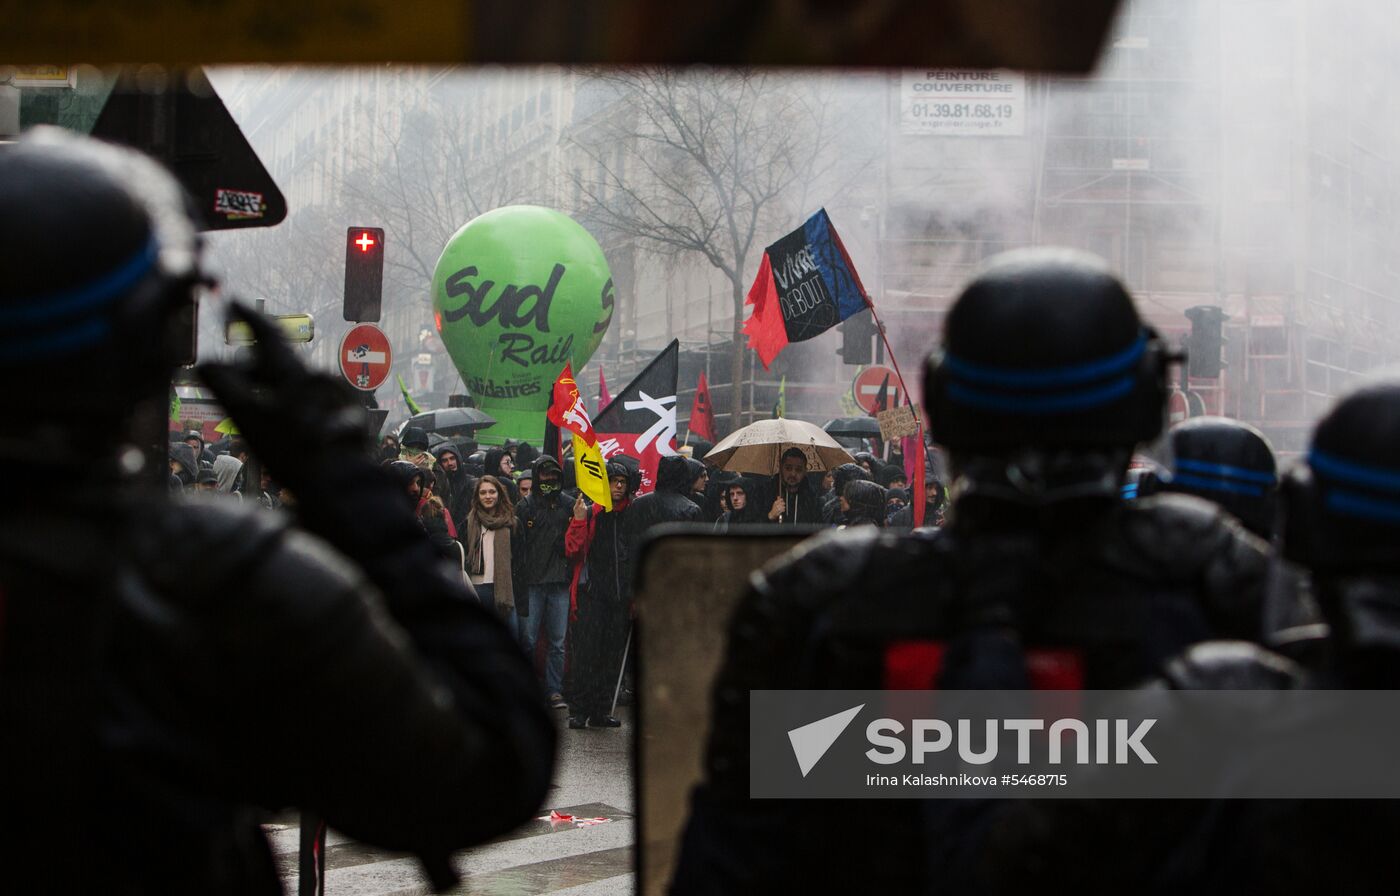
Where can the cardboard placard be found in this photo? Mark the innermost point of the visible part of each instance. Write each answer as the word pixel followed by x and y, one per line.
pixel 897 423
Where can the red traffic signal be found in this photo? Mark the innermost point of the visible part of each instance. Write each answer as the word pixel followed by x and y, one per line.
pixel 364 273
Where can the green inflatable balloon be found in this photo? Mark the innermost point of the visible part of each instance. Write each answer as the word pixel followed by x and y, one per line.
pixel 518 293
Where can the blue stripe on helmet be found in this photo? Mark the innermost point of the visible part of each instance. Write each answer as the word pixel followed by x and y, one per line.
pixel 19 348
pixel 1353 473
pixel 1031 405
pixel 94 294
pixel 1129 491
pixel 1047 377
pixel 1233 472
pixel 1217 484
pixel 1363 507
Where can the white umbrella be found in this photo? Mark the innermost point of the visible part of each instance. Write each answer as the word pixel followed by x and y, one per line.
pixel 759 447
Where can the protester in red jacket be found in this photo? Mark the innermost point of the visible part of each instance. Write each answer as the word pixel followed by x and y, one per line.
pixel 600 600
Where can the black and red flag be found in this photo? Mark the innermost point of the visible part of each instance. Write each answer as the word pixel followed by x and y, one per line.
pixel 805 286
pixel 702 413
pixel 641 420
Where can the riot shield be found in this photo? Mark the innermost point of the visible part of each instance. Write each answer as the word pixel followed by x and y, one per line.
pixel 688 583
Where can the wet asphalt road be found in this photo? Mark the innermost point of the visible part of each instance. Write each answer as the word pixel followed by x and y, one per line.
pixel 590 855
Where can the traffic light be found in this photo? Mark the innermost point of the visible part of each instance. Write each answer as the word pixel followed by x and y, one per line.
pixel 364 273
pixel 856 334
pixel 1206 343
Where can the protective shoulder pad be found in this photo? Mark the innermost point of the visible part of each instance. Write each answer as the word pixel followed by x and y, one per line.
pixel 1232 666
pixel 1180 536
pixel 830 565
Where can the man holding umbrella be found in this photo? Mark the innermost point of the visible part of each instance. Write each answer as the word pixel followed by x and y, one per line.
pixel 795 502
pixel 787 450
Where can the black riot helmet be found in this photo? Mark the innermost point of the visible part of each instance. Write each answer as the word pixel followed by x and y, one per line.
pixel 97 280
pixel 1045 348
pixel 1229 463
pixel 1341 510
pixel 1046 379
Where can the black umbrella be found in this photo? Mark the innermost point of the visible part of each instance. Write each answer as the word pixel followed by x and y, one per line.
pixel 452 421
pixel 861 427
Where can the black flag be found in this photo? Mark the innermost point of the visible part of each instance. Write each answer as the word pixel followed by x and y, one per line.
pixel 640 421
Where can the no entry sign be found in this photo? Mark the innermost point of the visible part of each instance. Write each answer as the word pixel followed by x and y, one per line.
pixel 866 388
pixel 365 357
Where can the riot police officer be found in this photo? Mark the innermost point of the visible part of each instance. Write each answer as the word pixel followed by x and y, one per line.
pixel 1046 380
pixel 1226 461
pixel 1340 513
pixel 169 668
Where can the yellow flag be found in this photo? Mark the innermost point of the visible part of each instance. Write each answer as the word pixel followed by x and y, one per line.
pixel 591 472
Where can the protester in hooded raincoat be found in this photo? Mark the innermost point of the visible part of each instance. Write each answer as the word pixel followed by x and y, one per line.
pixel 602 601
pixel 226 471
pixel 745 503
pixel 544 519
pixel 841 476
pixel 500 464
pixel 935 502
pixel 795 501
pixel 699 484
pixel 863 504
pixel 669 503
pixel 184 464
pixel 717 494
pixel 455 486
pixel 410 479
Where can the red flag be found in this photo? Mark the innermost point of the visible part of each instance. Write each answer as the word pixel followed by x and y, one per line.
pixel 766 329
pixel 567 411
pixel 702 413
pixel 604 399
pixel 920 474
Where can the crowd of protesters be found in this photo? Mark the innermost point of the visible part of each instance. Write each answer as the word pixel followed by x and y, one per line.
pixel 556 568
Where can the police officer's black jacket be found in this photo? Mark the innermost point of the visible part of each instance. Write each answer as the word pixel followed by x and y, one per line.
pixel 203 662
pixel 1224 846
pixel 1122 589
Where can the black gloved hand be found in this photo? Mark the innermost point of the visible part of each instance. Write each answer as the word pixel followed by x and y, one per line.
pixel 295 419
